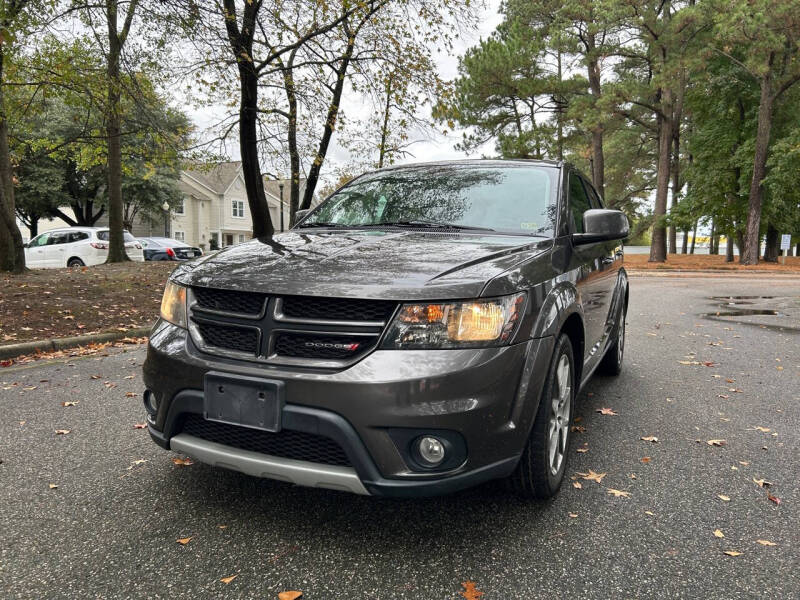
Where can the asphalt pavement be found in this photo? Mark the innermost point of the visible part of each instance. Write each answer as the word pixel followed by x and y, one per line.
pixel 110 527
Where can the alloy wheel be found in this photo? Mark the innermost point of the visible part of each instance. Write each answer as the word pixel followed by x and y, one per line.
pixel 558 425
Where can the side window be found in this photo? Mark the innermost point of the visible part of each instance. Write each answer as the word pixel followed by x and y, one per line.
pixel 58 238
pixel 593 197
pixel 40 241
pixel 578 202
pixel 77 236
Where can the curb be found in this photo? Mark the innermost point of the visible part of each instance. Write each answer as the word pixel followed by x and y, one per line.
pixel 14 350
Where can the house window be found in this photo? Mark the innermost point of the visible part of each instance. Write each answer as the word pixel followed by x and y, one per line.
pixel 179 235
pixel 178 208
pixel 238 208
pixel 241 238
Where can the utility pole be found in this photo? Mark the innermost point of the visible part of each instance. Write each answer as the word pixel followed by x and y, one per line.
pixel 280 187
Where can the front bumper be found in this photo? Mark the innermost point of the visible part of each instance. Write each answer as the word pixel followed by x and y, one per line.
pixel 487 396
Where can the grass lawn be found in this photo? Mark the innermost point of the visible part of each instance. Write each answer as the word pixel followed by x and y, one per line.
pixel 53 303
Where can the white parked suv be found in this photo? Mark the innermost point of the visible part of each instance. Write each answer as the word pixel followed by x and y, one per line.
pixel 75 247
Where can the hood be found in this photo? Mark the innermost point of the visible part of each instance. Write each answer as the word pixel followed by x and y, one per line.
pixel 395 265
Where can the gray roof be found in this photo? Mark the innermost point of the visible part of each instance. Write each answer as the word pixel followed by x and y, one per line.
pixel 217 176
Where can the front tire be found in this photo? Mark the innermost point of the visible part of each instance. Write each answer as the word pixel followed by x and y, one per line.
pixel 75 262
pixel 543 463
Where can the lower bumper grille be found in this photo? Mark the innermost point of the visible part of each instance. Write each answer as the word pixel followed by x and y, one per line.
pixel 296 445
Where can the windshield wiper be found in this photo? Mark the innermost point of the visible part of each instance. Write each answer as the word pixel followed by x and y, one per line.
pixel 430 225
pixel 323 224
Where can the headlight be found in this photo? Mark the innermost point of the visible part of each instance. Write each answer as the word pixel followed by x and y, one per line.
pixel 475 323
pixel 173 304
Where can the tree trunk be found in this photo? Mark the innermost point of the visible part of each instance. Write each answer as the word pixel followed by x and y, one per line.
pixel 658 244
pixel 116 239
pixel 729 248
pixel 772 246
pixel 711 237
pixel 330 122
pixel 248 147
pixel 291 136
pixel 387 111
pixel 685 242
pixel 752 240
pixel 12 252
pixel 694 237
pixel 241 43
pixel 33 227
pixel 797 250
pixel 598 159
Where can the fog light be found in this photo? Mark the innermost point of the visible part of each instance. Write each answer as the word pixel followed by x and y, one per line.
pixel 150 403
pixel 431 450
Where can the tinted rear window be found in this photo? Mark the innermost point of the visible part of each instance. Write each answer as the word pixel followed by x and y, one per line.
pixel 103 235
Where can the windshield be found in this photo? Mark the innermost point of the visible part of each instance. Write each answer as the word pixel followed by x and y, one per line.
pixel 510 199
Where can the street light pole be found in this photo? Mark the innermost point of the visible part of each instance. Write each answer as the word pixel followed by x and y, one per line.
pixel 280 187
pixel 165 208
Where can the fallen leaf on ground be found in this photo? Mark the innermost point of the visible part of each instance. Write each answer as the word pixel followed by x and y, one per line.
pixel 723 497
pixel 718 533
pixel 140 425
pixel 766 543
pixel 723 396
pixel 129 376
pixel 592 476
pixel 708 363
pixel 53 486
pixel 183 462
pixel 184 541
pixel 618 493
pixel 578 428
pixel 131 394
pixel 731 552
pixel 716 442
pixel 605 411
pixel 646 459
pixel 774 499
pixel 577 484
pixel 761 482
pixel 649 438
pixel 222 526
pixel 582 450
pixel 94 377
pixel 290 595
pixel 759 428
pixel 744 463
pixel 573 515
pixel 649 512
pixel 227 580
pixel 62 431
pixel 470 591
pixel 70 403
pixel 6 363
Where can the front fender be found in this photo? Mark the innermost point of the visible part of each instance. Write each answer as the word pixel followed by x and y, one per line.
pixel 559 304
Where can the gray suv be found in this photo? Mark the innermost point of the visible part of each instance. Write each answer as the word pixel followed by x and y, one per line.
pixel 424 329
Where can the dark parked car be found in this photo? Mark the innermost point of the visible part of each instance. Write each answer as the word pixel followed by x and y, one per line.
pixel 161 248
pixel 424 329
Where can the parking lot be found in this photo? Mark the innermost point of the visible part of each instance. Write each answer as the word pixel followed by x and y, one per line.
pixel 97 512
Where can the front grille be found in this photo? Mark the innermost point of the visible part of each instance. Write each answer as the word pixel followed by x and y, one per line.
pixel 318 346
pixel 241 339
pixel 289 330
pixel 248 303
pixel 296 445
pixel 337 309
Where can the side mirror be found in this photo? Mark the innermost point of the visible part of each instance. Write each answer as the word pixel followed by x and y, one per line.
pixel 601 225
pixel 300 215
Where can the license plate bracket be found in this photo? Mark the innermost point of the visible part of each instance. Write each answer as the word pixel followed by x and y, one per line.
pixel 251 402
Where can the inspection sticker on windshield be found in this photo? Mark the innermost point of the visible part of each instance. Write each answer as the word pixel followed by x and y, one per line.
pixel 528 225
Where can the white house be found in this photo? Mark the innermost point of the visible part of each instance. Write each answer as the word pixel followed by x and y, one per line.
pixel 213 211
